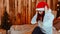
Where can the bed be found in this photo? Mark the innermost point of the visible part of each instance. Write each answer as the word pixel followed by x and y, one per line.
pixel 21 29
pixel 25 29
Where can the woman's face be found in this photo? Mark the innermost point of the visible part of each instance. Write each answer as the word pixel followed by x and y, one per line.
pixel 40 15
pixel 40 12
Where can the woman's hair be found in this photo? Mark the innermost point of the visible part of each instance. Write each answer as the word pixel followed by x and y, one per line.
pixel 39 16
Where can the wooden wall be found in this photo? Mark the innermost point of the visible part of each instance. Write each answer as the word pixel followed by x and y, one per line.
pixel 21 11
pixel 1 9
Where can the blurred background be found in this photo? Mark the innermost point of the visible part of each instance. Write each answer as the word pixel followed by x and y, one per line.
pixel 19 12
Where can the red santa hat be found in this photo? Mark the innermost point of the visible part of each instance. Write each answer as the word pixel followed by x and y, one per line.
pixel 41 6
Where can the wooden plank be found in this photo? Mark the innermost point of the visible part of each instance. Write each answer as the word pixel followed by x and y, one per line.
pixel 7 5
pixel 55 4
pixel 12 10
pixel 48 2
pixel 1 10
pixel 33 8
pixel 29 11
pixel 22 12
pixel 17 14
pixel 26 11
pixel 18 11
pixel 16 7
pixel 19 6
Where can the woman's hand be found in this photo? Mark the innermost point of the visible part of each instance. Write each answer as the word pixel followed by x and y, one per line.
pixel 46 9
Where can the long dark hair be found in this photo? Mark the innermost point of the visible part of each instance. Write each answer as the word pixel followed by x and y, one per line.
pixel 40 15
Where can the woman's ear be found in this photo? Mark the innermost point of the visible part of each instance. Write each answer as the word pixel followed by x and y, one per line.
pixel 46 9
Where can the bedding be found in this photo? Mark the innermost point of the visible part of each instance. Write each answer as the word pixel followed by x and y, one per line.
pixel 22 29
pixel 25 29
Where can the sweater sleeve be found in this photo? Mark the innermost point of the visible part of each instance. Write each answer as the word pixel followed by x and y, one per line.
pixel 33 21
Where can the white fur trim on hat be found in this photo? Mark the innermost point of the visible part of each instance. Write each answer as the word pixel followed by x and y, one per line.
pixel 40 9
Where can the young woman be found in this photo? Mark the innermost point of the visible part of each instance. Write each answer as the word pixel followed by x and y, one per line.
pixel 46 20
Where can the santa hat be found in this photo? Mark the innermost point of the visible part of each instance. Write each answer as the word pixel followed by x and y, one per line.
pixel 41 6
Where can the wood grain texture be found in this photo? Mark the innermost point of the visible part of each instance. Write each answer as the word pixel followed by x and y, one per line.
pixel 1 10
